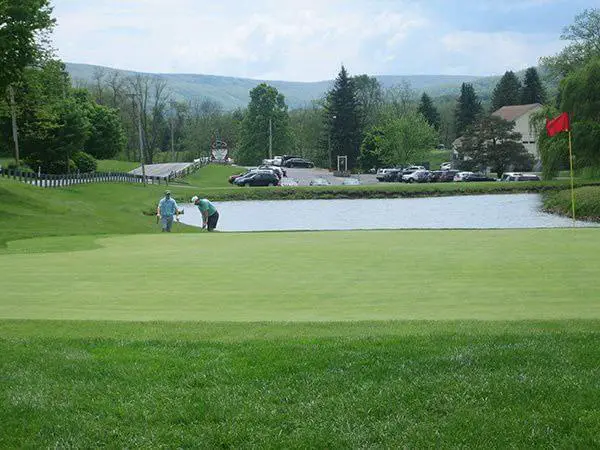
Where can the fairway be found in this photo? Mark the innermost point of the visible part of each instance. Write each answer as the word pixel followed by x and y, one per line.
pixel 317 276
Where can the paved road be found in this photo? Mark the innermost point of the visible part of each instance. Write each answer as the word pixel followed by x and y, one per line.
pixel 161 170
pixel 304 176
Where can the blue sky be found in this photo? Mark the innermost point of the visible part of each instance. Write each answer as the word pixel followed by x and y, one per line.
pixel 307 40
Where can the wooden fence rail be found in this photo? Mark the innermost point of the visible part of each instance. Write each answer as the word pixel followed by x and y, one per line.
pixel 53 181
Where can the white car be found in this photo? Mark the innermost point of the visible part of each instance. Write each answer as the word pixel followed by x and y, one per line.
pixel 418 176
pixel 460 176
pixel 446 166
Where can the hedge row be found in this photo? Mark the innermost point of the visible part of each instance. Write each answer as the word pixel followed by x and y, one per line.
pixel 587 203
pixel 385 191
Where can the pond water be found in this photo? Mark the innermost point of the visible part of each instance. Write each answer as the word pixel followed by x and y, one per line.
pixel 471 212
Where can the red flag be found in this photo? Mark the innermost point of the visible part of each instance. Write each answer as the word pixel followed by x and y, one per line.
pixel 557 125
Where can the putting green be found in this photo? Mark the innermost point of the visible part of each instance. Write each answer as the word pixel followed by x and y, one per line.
pixel 320 276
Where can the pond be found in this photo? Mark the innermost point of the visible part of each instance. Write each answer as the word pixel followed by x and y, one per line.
pixel 470 212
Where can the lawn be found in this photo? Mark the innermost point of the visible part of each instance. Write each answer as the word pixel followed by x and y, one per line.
pixel 112 334
pixel 110 165
pixel 264 385
pixel 318 276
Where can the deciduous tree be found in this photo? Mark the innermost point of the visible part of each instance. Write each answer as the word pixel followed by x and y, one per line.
pixel 266 103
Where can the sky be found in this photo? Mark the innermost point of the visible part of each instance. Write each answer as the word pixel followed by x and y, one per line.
pixel 308 40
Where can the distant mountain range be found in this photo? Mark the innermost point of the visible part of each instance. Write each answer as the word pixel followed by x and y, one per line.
pixel 234 92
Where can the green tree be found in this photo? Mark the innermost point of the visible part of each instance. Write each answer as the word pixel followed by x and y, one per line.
pixel 468 108
pixel 22 39
pixel 266 103
pixel 491 142
pixel 426 108
pixel 309 134
pixel 370 149
pixel 54 135
pixel 554 151
pixel 580 94
pixel 369 97
pixel 342 120
pixel 533 89
pixel 584 38
pixel 405 139
pixel 507 92
pixel 107 137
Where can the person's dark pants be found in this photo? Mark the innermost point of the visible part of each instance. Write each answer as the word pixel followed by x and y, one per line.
pixel 212 221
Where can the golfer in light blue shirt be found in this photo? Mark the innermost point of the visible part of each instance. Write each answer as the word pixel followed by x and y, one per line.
pixel 166 211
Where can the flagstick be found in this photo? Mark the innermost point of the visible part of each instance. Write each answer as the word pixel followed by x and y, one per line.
pixel 572 182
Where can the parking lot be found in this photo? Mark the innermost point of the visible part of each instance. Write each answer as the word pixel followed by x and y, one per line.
pixel 304 176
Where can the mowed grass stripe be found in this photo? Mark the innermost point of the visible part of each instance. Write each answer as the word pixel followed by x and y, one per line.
pixel 337 276
pixel 468 385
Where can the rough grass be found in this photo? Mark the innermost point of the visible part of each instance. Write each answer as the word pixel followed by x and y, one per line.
pixel 587 203
pixel 95 209
pixel 385 385
pixel 110 165
pixel 213 176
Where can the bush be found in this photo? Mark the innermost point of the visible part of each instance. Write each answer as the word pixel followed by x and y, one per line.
pixel 587 203
pixel 85 162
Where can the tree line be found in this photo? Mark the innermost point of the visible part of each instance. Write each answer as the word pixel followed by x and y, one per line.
pixel 55 126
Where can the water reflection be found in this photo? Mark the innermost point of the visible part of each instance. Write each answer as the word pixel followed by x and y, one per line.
pixel 473 212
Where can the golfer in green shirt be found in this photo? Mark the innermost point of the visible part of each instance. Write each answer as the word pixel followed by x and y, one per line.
pixel 210 215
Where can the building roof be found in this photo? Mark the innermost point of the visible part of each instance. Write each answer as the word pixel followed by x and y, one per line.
pixel 512 113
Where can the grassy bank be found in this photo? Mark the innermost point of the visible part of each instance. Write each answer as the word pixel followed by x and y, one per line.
pixel 392 384
pixel 384 190
pixel 95 209
pixel 116 166
pixel 587 203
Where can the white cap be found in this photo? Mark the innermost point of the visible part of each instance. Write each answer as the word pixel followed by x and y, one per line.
pixel 194 199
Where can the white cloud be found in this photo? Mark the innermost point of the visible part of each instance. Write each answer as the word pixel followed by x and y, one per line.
pixel 496 52
pixel 278 39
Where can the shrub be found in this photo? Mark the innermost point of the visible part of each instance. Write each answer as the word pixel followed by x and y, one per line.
pixel 85 162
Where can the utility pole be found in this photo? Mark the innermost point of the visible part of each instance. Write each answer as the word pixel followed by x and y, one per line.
pixel 270 138
pixel 15 129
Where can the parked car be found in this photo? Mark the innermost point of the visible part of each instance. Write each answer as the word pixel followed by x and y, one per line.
pixel 298 162
pixel 278 170
pixel 258 178
pixel 435 175
pixel 477 177
pixel 459 176
pixel 319 182
pixel 418 176
pixel 381 173
pixel 518 176
pixel 392 175
pixel 446 166
pixel 351 182
pixel 447 176
pixel 284 158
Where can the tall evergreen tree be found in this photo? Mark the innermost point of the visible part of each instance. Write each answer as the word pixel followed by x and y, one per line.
pixel 426 108
pixel 342 117
pixel 533 89
pixel 468 108
pixel 507 91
